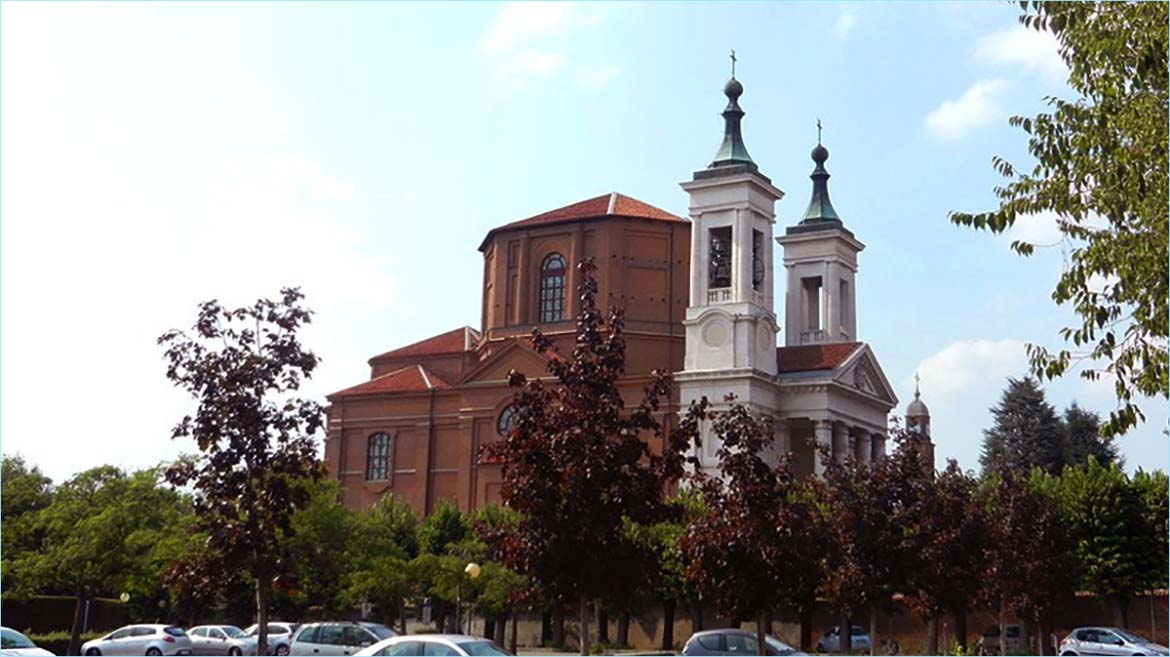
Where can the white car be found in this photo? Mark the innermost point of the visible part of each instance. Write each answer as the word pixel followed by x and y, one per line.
pixel 279 636
pixel 140 640
pixel 221 640
pixel 440 645
pixel 15 643
pixel 338 638
pixel 1108 641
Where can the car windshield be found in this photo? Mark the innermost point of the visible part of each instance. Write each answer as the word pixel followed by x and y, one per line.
pixel 233 631
pixel 13 639
pixel 175 631
pixel 251 630
pixel 1128 636
pixel 381 631
pixel 778 645
pixel 485 648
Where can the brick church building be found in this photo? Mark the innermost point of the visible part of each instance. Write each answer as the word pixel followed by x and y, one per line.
pixel 698 295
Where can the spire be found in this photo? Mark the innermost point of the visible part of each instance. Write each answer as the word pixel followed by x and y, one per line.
pixel 820 208
pixel 732 152
pixel 917 409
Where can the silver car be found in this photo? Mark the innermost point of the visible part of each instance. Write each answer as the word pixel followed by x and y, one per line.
pixel 140 640
pixel 1108 641
pixel 279 636
pixel 338 638
pixel 732 641
pixel 439 645
pixel 15 643
pixel 221 640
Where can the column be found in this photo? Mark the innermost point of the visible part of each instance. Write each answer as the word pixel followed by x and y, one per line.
pixel 741 237
pixel 823 438
pixel 879 445
pixel 865 440
pixel 698 264
pixel 840 442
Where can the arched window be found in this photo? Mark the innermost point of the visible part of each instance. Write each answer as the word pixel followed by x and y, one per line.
pixel 552 288
pixel 378 457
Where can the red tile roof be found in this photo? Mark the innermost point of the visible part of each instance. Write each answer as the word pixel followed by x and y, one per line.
pixel 412 378
pixel 452 342
pixel 809 357
pixel 606 205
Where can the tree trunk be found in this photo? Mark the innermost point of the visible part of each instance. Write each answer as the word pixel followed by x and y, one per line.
pixel 489 627
pixel 498 630
pixel 1042 632
pixel 623 628
pixel 891 644
pixel 845 636
pixel 401 616
pixel 602 623
pixel 667 625
pixel 78 615
pixel 558 625
pixel 1122 611
pixel 697 616
pixel 515 631
pixel 1002 626
pixel 761 632
pixel 583 620
pixel 262 615
pixel 873 617
pixel 806 621
pixel 545 628
pixel 961 628
pixel 932 636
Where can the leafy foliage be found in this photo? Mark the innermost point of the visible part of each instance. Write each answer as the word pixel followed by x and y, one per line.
pixel 577 465
pixel 1101 164
pixel 1027 431
pixel 258 455
pixel 1083 440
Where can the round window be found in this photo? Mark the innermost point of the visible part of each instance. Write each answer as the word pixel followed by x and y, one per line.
pixel 507 420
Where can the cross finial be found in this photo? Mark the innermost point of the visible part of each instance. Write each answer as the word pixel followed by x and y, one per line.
pixel 733 60
pixel 916 393
pixel 819 141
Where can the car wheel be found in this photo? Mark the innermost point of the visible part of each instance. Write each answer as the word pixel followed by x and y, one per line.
pixel 154 652
pixel 234 651
pixel 1068 653
pixel 93 652
pixel 282 650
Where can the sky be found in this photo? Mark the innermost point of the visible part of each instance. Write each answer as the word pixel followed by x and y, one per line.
pixel 155 155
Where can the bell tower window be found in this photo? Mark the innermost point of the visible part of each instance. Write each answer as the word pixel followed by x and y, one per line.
pixel 552 288
pixel 758 267
pixel 719 274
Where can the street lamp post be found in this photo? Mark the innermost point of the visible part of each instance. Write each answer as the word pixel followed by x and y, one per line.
pixel 472 571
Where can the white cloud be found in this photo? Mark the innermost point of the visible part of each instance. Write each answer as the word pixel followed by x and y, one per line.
pixel 598 77
pixel 1026 49
pixel 964 365
pixel 520 22
pixel 1040 229
pixel 954 118
pixel 526 41
pixel 846 21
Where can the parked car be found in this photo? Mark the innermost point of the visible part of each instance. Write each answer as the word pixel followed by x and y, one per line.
pixel 831 640
pixel 279 636
pixel 439 645
pixel 141 640
pixel 1108 641
pixel 1018 641
pixel 15 643
pixel 221 640
pixel 338 638
pixel 733 641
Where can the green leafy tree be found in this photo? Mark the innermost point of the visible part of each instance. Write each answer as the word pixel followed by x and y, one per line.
pixel 1114 541
pixel 257 449
pixel 324 548
pixel 100 533
pixel 444 529
pixel 1083 439
pixel 23 492
pixel 1101 163
pixel 1154 488
pixel 1027 432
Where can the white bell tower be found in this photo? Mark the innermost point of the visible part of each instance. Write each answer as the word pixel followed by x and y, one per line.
pixel 820 256
pixel 730 322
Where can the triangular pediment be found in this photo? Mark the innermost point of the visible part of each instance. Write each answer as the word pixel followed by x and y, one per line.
pixel 862 372
pixel 514 356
